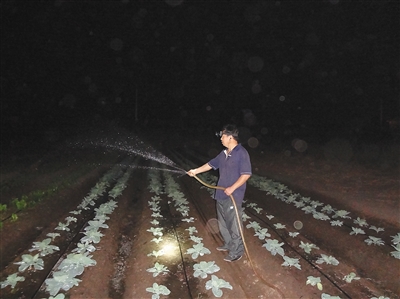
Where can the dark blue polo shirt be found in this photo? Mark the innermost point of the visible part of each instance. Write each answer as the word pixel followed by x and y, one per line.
pixel 231 167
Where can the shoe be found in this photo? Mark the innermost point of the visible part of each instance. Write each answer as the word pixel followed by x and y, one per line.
pixel 232 258
pixel 222 248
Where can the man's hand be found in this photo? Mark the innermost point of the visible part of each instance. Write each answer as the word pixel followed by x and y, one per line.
pixel 191 172
pixel 228 191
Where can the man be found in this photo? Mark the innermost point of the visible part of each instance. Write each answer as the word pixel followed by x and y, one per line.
pixel 234 168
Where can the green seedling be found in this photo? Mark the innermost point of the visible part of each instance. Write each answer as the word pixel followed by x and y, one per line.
pixel 3 207
pixel 14 217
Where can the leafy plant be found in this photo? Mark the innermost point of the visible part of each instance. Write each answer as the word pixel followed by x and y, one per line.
pixel 157 269
pixel 314 281
pixel 330 260
pixel 156 253
pixel 341 214
pixel 361 222
pixel 53 235
pixel 274 247
pixel 44 247
pixel 377 229
pixel 14 217
pixel 12 280
pixel 320 216
pixel 196 239
pixel 327 296
pixel 156 231
pixel 3 207
pixel 157 240
pixel 190 219
pixel 192 230
pixel 254 224
pixel 215 284
pixel 92 237
pixel 198 249
pixel 336 223
pixel 356 231
pixel 396 239
pixel 350 277
pixel 60 280
pixel 374 240
pixel 307 246
pixel 62 226
pixel 157 289
pixel 396 254
pixel 84 247
pixel 20 203
pixel 30 261
pixel 75 263
pixel 279 226
pixel 291 262
pixel 203 268
pixel 262 233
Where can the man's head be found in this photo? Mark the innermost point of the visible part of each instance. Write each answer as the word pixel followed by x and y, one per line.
pixel 231 131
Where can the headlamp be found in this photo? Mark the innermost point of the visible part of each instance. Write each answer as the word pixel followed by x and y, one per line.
pixel 219 134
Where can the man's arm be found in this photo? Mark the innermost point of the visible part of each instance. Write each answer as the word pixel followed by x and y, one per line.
pixel 240 181
pixel 203 168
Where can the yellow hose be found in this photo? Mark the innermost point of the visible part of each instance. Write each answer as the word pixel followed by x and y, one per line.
pixel 241 233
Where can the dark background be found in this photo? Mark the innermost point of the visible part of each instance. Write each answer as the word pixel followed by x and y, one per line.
pixel 317 68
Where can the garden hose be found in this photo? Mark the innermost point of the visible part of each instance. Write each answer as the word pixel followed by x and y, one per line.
pixel 242 235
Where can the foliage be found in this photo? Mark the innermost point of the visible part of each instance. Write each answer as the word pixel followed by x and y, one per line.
pixel 92 236
pixel 262 233
pixel 314 281
pixel 12 280
pixel 254 224
pixel 30 261
pixel 44 247
pixel 336 223
pixel 396 254
pixel 3 207
pixel 291 262
pixel 75 263
pixel 351 276
pixel 215 284
pixel 203 268
pixel 274 247
pixel 20 203
pixel 60 280
pixel 157 289
pixel 396 239
pixel 341 214
pixel 377 229
pixel 156 253
pixel 361 222
pixel 374 240
pixel 327 296
pixel 307 246
pixel 279 226
pixel 356 231
pixel 330 260
pixel 198 249
pixel 157 269
pixel 156 231
pixel 62 226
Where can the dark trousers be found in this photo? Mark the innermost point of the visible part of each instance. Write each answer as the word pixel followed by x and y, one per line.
pixel 228 226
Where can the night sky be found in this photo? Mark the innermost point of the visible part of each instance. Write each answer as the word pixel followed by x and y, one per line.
pixel 188 64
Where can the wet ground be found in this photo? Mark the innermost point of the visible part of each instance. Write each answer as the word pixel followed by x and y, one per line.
pixel 127 248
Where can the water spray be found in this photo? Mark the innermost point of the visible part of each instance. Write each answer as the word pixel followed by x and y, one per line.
pixel 242 235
